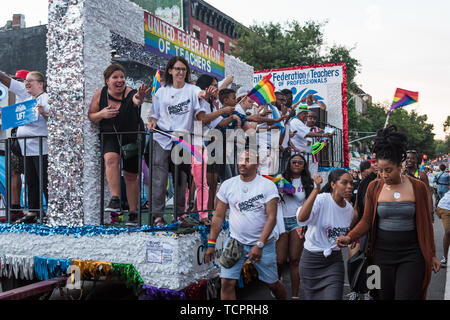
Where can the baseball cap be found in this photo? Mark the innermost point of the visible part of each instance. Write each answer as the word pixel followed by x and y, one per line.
pixel 242 91
pixel 22 74
pixel 302 108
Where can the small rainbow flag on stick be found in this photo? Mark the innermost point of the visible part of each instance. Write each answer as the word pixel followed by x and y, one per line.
pixel 187 146
pixel 156 82
pixel 263 92
pixel 282 184
pixel 403 98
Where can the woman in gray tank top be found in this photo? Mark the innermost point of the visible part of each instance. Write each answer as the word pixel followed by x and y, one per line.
pixel 397 213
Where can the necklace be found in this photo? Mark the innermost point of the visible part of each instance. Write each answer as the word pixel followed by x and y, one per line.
pixel 396 194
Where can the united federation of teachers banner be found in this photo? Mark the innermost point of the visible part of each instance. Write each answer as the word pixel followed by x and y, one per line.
pixel 19 114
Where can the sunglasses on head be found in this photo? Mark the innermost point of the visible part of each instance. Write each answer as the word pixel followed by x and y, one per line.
pixel 411 151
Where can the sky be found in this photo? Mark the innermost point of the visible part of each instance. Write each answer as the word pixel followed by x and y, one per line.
pixel 400 44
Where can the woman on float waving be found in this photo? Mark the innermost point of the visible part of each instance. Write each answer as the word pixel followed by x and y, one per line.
pixel 175 108
pixel 397 213
pixel 327 215
pixel 115 108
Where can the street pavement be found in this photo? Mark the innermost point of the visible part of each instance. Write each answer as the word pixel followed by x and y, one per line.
pixel 258 291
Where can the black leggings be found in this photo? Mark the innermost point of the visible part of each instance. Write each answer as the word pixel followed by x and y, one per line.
pixel 401 263
pixel 32 180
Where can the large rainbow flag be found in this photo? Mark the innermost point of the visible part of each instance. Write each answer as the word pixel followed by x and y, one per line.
pixel 263 92
pixel 403 98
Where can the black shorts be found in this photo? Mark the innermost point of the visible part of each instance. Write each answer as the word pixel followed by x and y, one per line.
pixel 17 163
pixel 111 144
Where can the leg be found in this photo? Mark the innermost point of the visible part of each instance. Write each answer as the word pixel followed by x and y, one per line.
pixel 387 283
pixel 279 290
pixel 282 249
pixel 132 186
pixel 227 291
pixel 212 183
pixel 201 184
pixel 112 160
pixel 409 278
pixel 446 243
pixel 32 181
pixel 16 187
pixel 180 187
pixel 160 169
pixel 295 251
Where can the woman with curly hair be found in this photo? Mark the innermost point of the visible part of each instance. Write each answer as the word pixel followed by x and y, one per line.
pixel 398 216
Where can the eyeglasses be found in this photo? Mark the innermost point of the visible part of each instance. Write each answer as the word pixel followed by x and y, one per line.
pixel 298 162
pixel 179 69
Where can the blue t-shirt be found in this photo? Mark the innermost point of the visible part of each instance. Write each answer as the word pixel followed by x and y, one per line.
pixel 442 181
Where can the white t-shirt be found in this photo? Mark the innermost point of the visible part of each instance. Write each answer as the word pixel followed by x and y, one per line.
pixel 18 88
pixel 444 203
pixel 326 222
pixel 175 110
pixel 239 109
pixel 292 202
pixel 37 128
pixel 247 206
pixel 299 139
pixel 286 137
pixel 207 108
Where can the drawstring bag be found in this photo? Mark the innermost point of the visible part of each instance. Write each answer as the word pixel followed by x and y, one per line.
pixel 231 254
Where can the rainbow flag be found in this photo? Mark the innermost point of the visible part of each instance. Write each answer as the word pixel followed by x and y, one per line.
pixel 283 185
pixel 187 146
pixel 156 82
pixel 263 92
pixel 403 98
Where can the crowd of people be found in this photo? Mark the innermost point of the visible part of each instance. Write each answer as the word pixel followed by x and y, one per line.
pixel 277 215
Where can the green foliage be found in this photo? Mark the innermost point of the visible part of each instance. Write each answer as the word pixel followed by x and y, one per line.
pixel 273 46
pixel 447 124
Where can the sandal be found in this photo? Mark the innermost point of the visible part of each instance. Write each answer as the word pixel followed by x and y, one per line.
pixel 205 221
pixel 159 222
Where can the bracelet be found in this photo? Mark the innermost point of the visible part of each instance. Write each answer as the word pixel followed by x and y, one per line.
pixel 211 243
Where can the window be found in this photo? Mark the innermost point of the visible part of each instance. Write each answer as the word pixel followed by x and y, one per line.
pixel 221 46
pixel 196 33
pixel 209 40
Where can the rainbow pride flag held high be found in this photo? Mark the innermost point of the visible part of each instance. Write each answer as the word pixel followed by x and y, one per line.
pixel 187 146
pixel 263 92
pixel 283 185
pixel 403 98
pixel 156 82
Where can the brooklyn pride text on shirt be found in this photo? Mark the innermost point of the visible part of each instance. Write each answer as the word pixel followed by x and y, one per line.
pixel 333 233
pixel 250 205
pixel 179 109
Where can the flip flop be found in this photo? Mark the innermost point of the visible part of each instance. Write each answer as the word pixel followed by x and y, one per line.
pixel 159 222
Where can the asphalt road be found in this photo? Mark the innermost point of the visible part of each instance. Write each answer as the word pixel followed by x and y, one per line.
pixel 256 290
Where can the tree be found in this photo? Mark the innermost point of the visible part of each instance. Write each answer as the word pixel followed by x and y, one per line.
pixel 272 46
pixel 447 124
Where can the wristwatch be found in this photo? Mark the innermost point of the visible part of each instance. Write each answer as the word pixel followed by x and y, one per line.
pixel 260 244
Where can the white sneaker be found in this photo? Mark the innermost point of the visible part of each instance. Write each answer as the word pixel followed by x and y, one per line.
pixel 353 296
pixel 444 262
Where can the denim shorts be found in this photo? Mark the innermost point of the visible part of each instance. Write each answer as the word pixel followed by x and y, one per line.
pixel 291 223
pixel 266 267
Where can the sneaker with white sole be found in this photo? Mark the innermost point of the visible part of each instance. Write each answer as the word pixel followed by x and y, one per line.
pixel 113 205
pixel 444 262
pixel 132 219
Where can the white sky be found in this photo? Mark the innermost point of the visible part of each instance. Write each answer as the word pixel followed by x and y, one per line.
pixel 399 43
